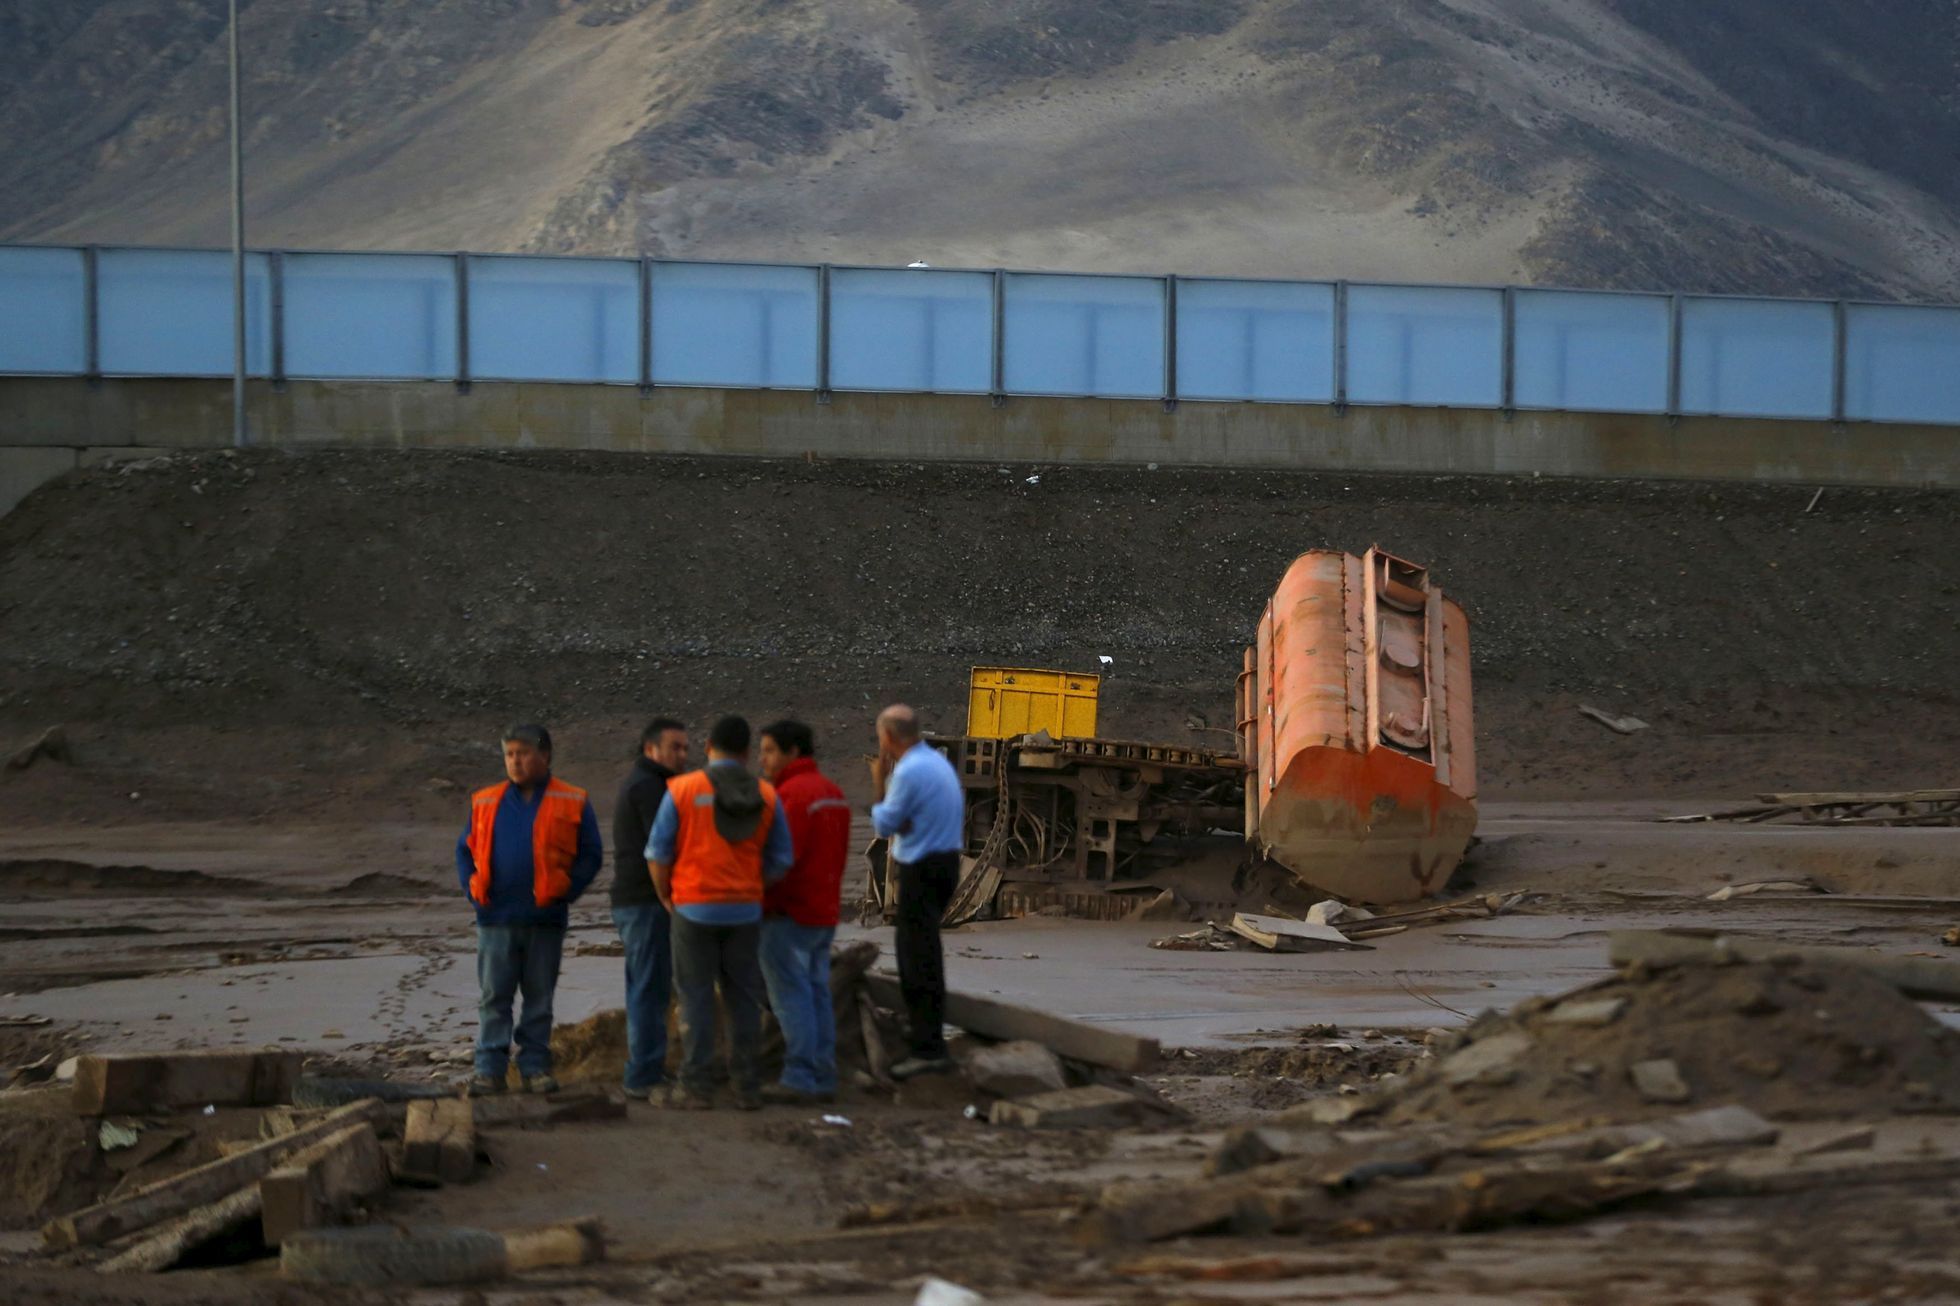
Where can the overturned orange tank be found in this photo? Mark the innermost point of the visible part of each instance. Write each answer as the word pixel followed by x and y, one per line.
pixel 1354 723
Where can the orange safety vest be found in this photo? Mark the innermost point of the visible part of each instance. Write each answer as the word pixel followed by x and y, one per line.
pixel 708 868
pixel 554 839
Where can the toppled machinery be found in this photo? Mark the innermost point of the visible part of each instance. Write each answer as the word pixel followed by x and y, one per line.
pixel 1354 766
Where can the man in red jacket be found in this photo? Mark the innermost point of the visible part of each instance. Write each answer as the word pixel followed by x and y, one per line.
pixel 799 914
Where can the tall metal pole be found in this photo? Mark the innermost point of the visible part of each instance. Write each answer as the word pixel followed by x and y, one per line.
pixel 237 249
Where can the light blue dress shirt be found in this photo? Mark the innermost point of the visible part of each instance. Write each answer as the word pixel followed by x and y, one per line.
pixel 924 811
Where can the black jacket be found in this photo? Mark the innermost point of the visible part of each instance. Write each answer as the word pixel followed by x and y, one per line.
pixel 639 802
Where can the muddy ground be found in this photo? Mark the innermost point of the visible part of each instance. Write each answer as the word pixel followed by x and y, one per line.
pixel 282 673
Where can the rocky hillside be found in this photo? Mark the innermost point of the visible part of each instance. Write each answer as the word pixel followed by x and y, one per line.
pixel 1797 146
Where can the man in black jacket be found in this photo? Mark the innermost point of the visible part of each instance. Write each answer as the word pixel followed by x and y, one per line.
pixel 636 909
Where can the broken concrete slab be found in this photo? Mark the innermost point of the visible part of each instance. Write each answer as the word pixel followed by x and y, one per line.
pixel 1619 725
pixel 134 1082
pixel 1487 1061
pixel 1098 1106
pixel 1659 1080
pixel 1589 1013
pixel 1016 1069
pixel 1006 1021
pixel 1722 1126
pixel 440 1140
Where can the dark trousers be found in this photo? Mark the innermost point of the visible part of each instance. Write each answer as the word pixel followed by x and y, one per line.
pixel 513 959
pixel 726 955
pixel 925 887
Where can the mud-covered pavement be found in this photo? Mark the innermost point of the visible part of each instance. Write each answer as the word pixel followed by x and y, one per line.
pixel 348 944
pixel 281 675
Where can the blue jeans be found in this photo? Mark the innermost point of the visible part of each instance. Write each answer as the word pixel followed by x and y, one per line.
pixel 513 959
pixel 796 967
pixel 649 990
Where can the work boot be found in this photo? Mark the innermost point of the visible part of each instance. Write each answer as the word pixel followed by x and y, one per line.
pixel 540 1084
pixel 683 1099
pixel 645 1093
pixel 914 1066
pixel 784 1095
pixel 485 1085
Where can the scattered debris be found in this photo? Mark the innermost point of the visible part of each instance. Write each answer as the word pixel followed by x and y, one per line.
pixel 1332 911
pixel 1729 891
pixel 1276 934
pixel 1796 1038
pixel 938 1292
pixel 1622 725
pixel 39 1071
pixel 190 1189
pixel 165 1247
pixel 112 1137
pixel 1904 807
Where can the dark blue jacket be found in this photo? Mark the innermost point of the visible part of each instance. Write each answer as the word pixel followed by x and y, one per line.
pixel 512 900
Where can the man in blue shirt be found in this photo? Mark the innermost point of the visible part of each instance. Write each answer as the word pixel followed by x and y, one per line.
pixel 923 812
pixel 717 842
pixel 530 848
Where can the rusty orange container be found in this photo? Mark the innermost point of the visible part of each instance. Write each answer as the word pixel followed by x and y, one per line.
pixel 1355 727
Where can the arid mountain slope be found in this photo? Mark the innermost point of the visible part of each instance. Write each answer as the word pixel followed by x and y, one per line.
pixel 1794 146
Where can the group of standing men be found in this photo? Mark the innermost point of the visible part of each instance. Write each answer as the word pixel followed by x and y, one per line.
pixel 727 890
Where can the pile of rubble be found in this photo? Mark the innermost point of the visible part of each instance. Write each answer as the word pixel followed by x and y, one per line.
pixel 1661 1082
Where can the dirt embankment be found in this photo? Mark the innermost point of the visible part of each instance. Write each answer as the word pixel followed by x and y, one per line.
pixel 296 629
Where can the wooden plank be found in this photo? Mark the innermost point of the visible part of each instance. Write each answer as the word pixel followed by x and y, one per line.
pixel 1918 977
pixel 136 1082
pixel 167 1246
pixel 992 1018
pixel 440 1139
pixel 322 1184
pixel 197 1187
pixel 1096 1106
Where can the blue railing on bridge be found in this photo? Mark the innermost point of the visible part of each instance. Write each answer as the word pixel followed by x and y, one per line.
pixel 656 322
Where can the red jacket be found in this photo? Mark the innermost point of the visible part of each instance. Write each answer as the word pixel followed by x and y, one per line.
pixel 820 833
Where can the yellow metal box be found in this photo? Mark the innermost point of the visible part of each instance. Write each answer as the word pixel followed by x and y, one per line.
pixel 1003 702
